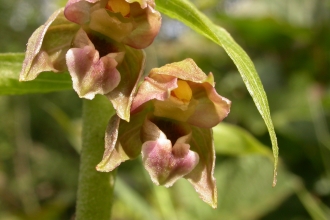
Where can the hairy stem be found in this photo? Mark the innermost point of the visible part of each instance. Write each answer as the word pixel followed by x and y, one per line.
pixel 95 189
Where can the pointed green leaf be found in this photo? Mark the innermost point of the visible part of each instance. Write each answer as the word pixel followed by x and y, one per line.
pixel 187 13
pixel 10 67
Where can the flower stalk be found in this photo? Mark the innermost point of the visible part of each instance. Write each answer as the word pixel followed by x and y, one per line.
pixel 95 189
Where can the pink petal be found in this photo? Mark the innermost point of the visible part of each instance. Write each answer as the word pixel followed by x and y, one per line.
pixel 211 108
pixel 78 11
pixel 165 164
pixel 90 74
pixel 158 88
pixel 148 23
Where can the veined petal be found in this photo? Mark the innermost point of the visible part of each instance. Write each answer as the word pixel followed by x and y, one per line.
pixel 111 158
pixel 47 46
pixel 131 70
pixel 122 142
pixel 185 70
pixel 157 88
pixel 202 177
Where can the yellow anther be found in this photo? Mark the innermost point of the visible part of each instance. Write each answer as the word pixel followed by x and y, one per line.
pixel 119 6
pixel 183 91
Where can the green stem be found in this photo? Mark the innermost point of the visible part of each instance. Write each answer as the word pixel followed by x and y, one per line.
pixel 95 189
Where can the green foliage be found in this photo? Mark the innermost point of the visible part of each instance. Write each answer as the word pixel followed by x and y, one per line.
pixel 11 65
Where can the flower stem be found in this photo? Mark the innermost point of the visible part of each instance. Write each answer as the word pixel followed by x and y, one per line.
pixel 95 189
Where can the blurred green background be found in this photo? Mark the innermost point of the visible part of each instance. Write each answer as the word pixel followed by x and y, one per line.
pixel 289 43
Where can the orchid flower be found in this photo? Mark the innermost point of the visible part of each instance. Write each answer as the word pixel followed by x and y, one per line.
pixel 172 116
pixel 132 22
pixel 99 43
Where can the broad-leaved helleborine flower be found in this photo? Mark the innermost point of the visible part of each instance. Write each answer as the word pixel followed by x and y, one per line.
pixel 92 41
pixel 132 22
pixel 172 116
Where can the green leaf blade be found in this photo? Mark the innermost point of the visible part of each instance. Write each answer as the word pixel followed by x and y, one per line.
pixel 10 67
pixel 187 13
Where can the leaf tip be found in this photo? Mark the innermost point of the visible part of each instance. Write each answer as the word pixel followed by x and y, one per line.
pixel 274 177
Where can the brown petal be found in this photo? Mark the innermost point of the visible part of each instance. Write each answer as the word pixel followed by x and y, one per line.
pixel 78 11
pixel 122 142
pixel 111 157
pixel 47 46
pixel 202 177
pixel 131 70
pixel 147 23
pixel 154 88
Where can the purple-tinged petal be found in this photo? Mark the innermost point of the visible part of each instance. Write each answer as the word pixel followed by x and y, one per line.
pixel 47 46
pixel 158 88
pixel 161 81
pixel 148 22
pixel 211 108
pixel 78 11
pixel 199 104
pixel 202 177
pixel 131 70
pixel 91 74
pixel 164 163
